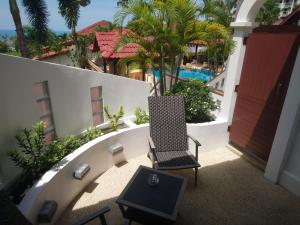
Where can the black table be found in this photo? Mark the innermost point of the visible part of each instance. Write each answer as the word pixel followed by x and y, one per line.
pixel 152 205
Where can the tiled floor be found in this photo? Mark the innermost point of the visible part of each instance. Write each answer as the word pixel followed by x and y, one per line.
pixel 230 191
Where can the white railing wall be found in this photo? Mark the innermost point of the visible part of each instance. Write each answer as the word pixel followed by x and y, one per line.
pixel 69 90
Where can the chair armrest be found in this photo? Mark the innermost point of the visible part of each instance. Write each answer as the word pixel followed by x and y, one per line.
pixel 197 145
pixel 194 140
pixel 100 213
pixel 151 143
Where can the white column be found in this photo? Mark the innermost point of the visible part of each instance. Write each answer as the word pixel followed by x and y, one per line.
pixel 287 126
pixel 241 30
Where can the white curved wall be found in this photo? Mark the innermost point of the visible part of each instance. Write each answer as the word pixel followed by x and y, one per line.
pixel 69 90
pixel 59 185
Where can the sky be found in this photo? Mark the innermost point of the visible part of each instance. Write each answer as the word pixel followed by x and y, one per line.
pixel 97 10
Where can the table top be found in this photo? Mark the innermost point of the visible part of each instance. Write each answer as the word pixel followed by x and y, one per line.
pixel 162 200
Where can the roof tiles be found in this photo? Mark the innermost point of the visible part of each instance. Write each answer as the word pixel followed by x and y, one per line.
pixel 108 41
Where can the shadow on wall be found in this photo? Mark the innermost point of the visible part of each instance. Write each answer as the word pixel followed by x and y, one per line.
pixel 261 98
pixel 232 192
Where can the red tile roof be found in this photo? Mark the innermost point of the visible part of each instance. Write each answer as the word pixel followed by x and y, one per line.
pixel 92 28
pixel 107 43
pixel 51 54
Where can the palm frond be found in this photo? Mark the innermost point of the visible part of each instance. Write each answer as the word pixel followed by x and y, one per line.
pixel 37 14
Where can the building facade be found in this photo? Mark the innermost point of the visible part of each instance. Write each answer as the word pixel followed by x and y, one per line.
pixel 287 6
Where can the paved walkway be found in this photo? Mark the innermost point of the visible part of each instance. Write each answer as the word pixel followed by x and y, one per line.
pixel 230 191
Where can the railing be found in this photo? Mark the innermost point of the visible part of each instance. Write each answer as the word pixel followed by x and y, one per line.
pixel 152 91
pixel 94 67
pixel 217 91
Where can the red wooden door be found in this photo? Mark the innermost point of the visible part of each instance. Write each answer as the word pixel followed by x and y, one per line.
pixel 266 72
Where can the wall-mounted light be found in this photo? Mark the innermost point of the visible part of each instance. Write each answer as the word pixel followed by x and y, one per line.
pixel 47 211
pixel 116 148
pixel 81 171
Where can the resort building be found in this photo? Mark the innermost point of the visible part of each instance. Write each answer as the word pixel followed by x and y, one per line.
pixel 106 44
pixel 249 154
pixel 287 6
pixel 64 56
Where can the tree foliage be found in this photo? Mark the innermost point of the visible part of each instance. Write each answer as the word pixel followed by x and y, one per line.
pixel 3 45
pixel 163 28
pixel 219 11
pixel 70 11
pixel 268 13
pixel 35 157
pixel 37 14
pixel 198 102
pixel 51 41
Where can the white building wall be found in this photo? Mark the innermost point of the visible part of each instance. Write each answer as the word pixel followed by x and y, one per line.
pixel 287 6
pixel 285 147
pixel 69 90
pixel 60 59
pixel 290 177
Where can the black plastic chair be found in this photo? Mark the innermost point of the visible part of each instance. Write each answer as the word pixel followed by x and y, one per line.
pixel 168 139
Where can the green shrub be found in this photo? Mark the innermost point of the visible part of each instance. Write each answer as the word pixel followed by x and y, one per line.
pixel 114 118
pixel 90 134
pixel 141 116
pixel 35 156
pixel 71 143
pixel 198 102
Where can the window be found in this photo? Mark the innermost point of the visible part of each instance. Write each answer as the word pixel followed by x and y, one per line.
pixel 44 109
pixel 97 105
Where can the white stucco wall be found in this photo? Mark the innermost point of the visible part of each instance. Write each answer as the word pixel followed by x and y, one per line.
pixel 284 161
pixel 134 139
pixel 290 176
pixel 69 90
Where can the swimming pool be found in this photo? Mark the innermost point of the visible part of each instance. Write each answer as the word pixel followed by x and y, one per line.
pixel 199 74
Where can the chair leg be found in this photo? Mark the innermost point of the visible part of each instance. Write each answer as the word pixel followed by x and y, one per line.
pixel 196 176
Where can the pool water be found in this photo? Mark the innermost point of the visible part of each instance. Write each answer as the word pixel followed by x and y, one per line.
pixel 199 74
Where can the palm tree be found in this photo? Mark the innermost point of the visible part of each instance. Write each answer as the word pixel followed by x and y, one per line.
pixel 147 55
pixel 171 24
pixel 36 11
pixel 14 10
pixel 183 24
pixel 268 13
pixel 219 11
pixel 151 19
pixel 122 3
pixel 141 58
pixel 217 39
pixel 70 11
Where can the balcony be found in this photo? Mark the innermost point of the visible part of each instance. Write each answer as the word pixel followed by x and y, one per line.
pixel 230 191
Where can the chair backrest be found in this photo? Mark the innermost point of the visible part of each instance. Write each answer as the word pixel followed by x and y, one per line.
pixel 167 123
pixel 9 212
